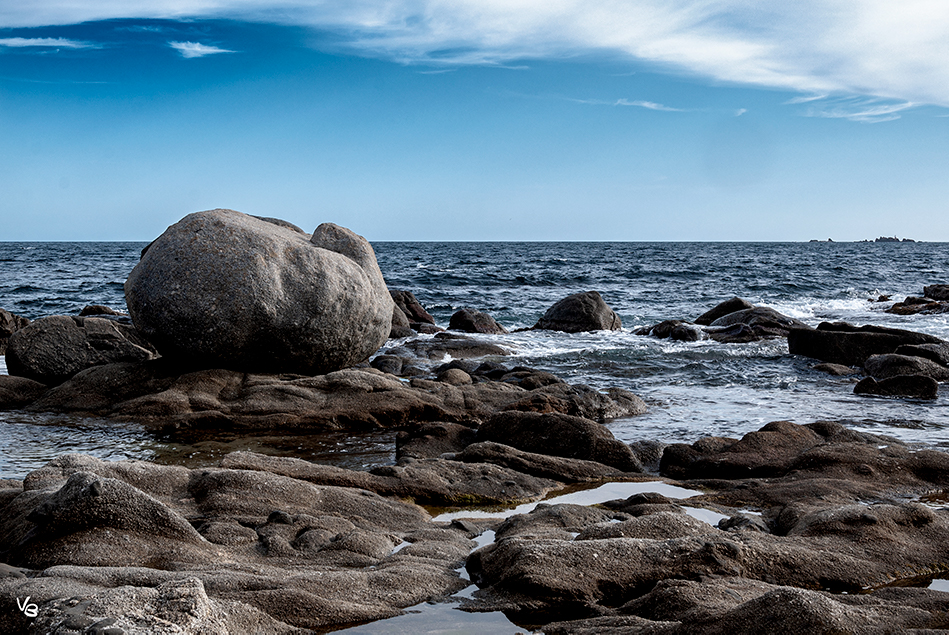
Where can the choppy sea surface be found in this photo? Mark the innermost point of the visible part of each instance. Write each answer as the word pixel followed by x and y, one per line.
pixel 693 388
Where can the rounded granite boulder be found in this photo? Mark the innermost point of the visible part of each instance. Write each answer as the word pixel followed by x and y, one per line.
pixel 224 289
pixel 580 312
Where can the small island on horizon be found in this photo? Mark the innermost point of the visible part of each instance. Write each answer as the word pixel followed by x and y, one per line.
pixel 881 239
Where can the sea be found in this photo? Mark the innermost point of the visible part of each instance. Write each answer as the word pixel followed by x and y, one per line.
pixel 693 389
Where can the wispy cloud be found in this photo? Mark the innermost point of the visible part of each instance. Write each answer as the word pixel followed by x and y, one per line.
pixel 879 48
pixel 859 109
pixel 45 42
pixel 648 105
pixel 196 49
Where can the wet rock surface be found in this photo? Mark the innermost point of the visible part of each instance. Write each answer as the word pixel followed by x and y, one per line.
pixel 273 544
pixel 832 516
pixel 156 394
pixel 842 343
pixel 734 321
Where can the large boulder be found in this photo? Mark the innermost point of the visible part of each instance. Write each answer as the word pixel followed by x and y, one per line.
pixel 224 289
pixel 53 349
pixel 842 343
pixel 580 312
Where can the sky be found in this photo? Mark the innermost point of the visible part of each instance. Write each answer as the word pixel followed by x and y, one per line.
pixel 649 120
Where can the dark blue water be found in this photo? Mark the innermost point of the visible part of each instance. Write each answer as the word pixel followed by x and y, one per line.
pixel 693 389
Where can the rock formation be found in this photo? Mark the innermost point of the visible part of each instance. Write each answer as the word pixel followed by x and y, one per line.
pixel 220 289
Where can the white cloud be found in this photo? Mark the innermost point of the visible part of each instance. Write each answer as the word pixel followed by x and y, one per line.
pixel 649 105
pixel 859 109
pixel 196 49
pixel 44 42
pixel 896 50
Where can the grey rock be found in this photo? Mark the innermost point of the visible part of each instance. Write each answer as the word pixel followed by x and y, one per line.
pixel 221 289
pixel 454 377
pixel 723 309
pixel 53 349
pixel 559 435
pixel 764 320
pixel 837 370
pixel 565 470
pixel 937 292
pixel 98 309
pixel 938 353
pixel 842 343
pixel 9 324
pixel 674 329
pixel 893 365
pixel 432 440
pixel 455 346
pixel 156 394
pixel 17 392
pixel 474 321
pixel 400 324
pixel 411 308
pixel 580 312
pixel 389 364
pixel 910 386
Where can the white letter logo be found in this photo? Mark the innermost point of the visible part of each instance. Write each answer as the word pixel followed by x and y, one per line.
pixel 30 610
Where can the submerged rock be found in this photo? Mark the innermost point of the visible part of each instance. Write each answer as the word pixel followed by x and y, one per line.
pixel 735 321
pixel 221 289
pixel 765 321
pixel 580 312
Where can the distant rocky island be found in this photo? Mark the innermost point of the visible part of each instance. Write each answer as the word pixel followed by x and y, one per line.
pixel 881 239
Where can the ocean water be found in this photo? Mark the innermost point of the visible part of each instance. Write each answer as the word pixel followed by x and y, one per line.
pixel 693 389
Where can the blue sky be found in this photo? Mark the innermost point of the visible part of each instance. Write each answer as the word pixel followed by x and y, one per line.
pixel 491 120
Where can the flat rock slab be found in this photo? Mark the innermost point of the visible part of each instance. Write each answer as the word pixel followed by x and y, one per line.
pixel 156 393
pixel 842 343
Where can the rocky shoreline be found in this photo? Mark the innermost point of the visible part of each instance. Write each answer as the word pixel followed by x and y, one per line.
pixel 817 528
pixel 824 530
